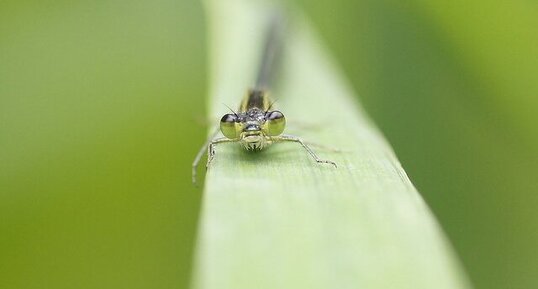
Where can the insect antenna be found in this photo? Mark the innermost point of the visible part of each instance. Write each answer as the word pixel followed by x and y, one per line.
pixel 235 113
pixel 270 105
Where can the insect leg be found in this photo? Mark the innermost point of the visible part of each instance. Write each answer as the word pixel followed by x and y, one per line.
pixel 200 154
pixel 291 138
pixel 211 148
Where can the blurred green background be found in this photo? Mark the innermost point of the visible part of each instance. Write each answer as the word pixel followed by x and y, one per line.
pixel 102 108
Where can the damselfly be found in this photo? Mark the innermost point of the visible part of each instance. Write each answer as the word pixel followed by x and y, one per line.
pixel 256 125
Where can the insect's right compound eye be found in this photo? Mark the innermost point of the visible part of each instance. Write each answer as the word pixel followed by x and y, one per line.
pixel 229 126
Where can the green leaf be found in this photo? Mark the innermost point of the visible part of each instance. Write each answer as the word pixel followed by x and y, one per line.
pixel 277 219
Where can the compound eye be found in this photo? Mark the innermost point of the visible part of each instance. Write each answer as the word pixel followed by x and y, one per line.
pixel 276 122
pixel 229 126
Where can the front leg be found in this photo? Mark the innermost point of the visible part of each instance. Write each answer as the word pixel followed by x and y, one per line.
pixel 211 148
pixel 200 154
pixel 291 138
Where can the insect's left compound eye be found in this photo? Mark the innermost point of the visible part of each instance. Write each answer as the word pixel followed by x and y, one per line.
pixel 276 122
pixel 229 126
